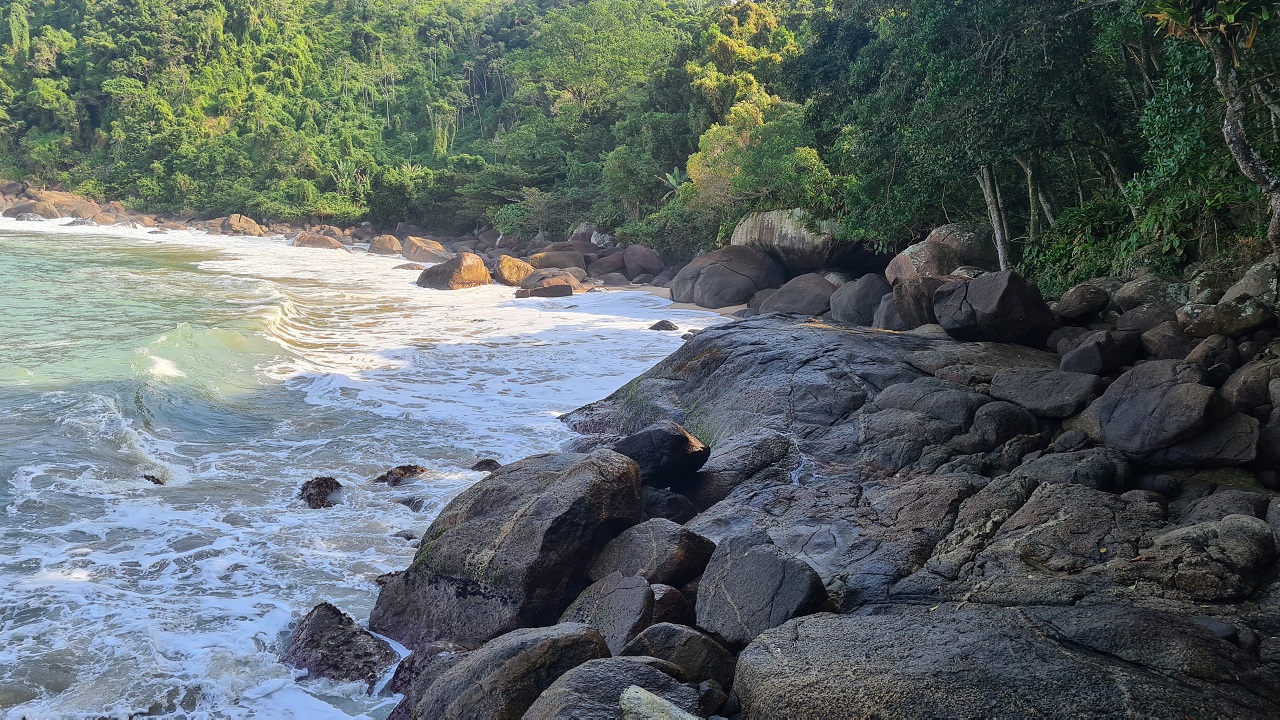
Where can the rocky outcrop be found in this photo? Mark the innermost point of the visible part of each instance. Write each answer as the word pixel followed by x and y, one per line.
pixel 783 236
pixel 728 276
pixel 1001 662
pixel 464 271
pixel 512 551
pixel 998 307
pixel 318 491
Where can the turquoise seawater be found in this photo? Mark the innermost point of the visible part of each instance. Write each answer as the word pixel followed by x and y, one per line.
pixel 233 370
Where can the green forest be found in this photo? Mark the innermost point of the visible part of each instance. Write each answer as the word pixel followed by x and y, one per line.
pixel 1086 133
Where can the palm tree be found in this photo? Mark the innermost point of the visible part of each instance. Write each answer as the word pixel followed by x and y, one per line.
pixel 1228 29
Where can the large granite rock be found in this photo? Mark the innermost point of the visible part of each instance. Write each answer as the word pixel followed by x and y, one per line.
pixel 728 276
pixel 751 585
pixel 511 271
pixel 503 679
pixel 926 259
pixel 641 260
pixel 922 661
pixel 659 551
pixel 467 270
pixel 511 551
pixel 807 295
pixel 1162 414
pixel 973 247
pixel 423 250
pixel 593 690
pixel 385 245
pixel 855 303
pixel 701 657
pixel 999 306
pixel 665 452
pixel 619 607
pixel 782 235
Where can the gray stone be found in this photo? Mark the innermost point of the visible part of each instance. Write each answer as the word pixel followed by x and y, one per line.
pixel 701 657
pixel 1046 393
pixel 659 551
pixel 619 607
pixel 329 644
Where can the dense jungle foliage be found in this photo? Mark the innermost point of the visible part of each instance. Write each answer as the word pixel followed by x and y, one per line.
pixel 1085 132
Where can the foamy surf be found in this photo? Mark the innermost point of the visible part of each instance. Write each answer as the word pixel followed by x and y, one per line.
pixel 232 370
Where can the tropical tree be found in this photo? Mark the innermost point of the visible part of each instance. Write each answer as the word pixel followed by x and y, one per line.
pixel 1229 29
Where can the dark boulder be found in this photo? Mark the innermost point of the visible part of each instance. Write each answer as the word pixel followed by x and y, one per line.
pixel 1083 301
pixel 670 605
pixel 486 465
pixel 1232 318
pixel 614 263
pixel 329 644
pixel 855 303
pixel 754 457
pixel 619 607
pixel 317 491
pixel 1046 393
pixel 751 585
pixel 728 276
pixel 659 551
pixel 1161 414
pixel 886 315
pixel 1151 290
pixel 999 307
pixel 641 260
pixel 1167 341
pixel 1217 561
pixel 593 690
pixel 464 271
pixel 1145 317
pixel 400 473
pixel 665 452
pixel 1214 351
pixel 548 278
pixel 546 291
pixel 511 551
pixel 701 657
pixel 1102 352
pixel 913 299
pixel 664 326
pixel 615 280
pixel 807 294
pixel 503 679
pixel 662 503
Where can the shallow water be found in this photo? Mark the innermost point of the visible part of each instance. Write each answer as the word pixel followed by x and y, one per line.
pixel 234 369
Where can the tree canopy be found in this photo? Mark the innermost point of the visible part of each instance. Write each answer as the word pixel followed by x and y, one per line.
pixel 1084 134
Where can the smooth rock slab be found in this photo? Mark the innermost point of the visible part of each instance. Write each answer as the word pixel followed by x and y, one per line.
pixel 1046 393
pixel 1096 661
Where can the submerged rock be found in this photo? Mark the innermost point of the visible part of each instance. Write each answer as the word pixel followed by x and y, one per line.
pixel 316 492
pixel 329 644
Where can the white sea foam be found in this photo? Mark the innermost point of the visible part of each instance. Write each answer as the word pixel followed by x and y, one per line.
pixel 121 594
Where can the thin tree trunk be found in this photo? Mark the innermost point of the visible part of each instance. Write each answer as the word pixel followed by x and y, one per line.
pixel 1233 130
pixel 986 180
pixel 1033 213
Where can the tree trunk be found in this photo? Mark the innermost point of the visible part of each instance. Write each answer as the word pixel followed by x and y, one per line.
pixel 995 213
pixel 1233 130
pixel 1033 213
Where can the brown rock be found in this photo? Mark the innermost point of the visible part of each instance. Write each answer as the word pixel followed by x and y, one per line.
pixel 466 270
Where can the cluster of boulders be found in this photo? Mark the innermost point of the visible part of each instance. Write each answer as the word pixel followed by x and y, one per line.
pixel 917 523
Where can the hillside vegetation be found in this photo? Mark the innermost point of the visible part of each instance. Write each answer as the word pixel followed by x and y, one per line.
pixel 1086 134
